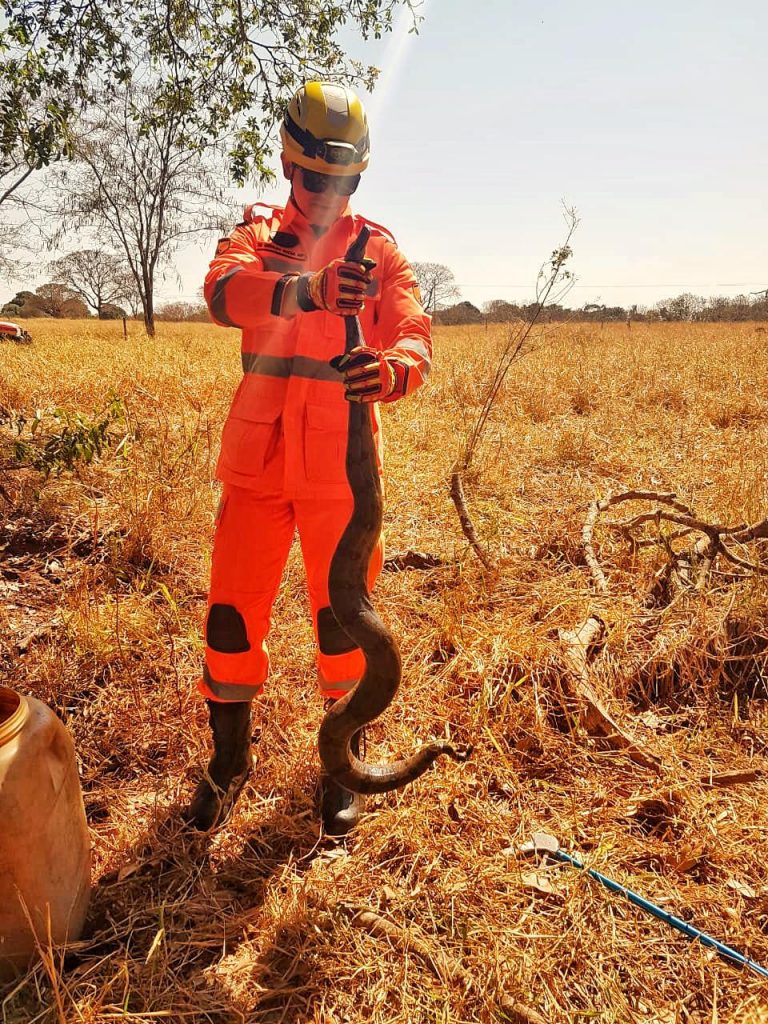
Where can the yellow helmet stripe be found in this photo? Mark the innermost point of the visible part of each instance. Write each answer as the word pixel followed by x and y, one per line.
pixel 356 112
pixel 314 92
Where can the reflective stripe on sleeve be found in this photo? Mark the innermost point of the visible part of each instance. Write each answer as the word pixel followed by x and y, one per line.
pixel 418 351
pixel 414 345
pixel 218 306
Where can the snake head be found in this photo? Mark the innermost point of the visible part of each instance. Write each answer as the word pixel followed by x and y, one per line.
pixel 461 753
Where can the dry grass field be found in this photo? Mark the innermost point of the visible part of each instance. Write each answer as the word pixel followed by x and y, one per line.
pixel 103 574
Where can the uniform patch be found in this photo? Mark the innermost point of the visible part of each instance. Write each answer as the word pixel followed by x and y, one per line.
pixel 222 245
pixel 285 240
pixel 289 254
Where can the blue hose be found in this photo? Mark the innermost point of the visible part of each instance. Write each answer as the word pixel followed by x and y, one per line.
pixel 663 915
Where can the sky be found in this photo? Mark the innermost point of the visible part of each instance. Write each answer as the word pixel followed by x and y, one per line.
pixel 649 119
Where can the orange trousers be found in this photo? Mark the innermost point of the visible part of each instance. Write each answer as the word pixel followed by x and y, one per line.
pixel 252 541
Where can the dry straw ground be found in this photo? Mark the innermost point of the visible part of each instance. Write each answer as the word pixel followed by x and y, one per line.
pixel 104 574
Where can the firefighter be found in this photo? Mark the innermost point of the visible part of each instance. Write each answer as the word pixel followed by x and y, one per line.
pixel 282 278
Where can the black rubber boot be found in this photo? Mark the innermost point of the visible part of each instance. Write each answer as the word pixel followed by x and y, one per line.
pixel 341 810
pixel 229 767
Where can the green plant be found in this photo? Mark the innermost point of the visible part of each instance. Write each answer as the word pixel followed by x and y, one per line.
pixel 54 441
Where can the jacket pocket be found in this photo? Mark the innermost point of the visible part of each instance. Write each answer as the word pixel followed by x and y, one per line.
pixel 325 443
pixel 251 440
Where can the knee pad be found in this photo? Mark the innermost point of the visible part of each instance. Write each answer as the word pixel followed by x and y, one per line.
pixel 331 638
pixel 225 631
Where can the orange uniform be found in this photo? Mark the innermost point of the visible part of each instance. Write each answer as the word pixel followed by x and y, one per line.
pixel 283 448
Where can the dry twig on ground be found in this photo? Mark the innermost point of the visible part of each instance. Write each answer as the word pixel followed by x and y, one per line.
pixel 442 966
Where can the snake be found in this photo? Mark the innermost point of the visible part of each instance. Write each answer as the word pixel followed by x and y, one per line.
pixel 353 609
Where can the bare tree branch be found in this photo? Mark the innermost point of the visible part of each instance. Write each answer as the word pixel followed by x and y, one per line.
pixel 553 282
pixel 704 552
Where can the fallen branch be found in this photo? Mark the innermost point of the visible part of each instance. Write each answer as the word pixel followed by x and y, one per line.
pixel 445 968
pixel 743 563
pixel 725 779
pixel 467 526
pixel 758 531
pixel 39 633
pixel 580 645
pixel 704 552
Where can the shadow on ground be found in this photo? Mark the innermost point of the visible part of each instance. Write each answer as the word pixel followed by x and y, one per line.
pixel 178 904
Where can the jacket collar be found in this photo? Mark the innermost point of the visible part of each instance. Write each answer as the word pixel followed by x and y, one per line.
pixel 294 222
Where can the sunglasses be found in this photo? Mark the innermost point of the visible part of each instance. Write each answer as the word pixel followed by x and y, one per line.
pixel 342 185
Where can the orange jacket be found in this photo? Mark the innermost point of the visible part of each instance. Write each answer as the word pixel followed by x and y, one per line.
pixel 286 429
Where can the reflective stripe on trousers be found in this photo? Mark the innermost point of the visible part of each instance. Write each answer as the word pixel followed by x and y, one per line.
pixel 228 691
pixel 343 686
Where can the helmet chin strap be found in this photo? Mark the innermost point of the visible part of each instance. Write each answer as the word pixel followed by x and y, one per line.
pixel 317 229
pixel 295 202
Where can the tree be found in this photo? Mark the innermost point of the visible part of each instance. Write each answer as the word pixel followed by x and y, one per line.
pixel 147 193
pixel 100 278
pixel 219 71
pixel 52 299
pixel 222 69
pixel 73 309
pixel 602 313
pixel 15 305
pixel 30 138
pixel 436 284
pixel 59 300
pixel 499 311
pixel 14 231
pixel 111 312
pixel 682 307
pixel 461 313
pixel 178 312
pixel 31 130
